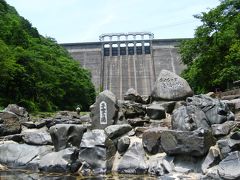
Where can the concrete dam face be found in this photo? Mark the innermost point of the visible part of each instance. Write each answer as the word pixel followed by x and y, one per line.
pixel 127 60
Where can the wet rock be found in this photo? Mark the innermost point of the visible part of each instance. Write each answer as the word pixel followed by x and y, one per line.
pixel 189 118
pixel 61 162
pixel 22 155
pixel 216 111
pixel 228 168
pixel 222 129
pixel 115 131
pixel 212 159
pixel 19 111
pixel 37 138
pixel 193 143
pixel 133 161
pixel 123 144
pixel 66 135
pixel 151 140
pixel 104 111
pixel 156 111
pixel 97 152
pixel 132 95
pixel 138 122
pixel 9 123
pixel 170 86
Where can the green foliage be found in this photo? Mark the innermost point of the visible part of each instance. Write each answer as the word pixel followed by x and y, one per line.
pixel 213 55
pixel 36 72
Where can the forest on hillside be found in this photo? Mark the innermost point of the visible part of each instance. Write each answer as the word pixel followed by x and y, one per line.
pixel 36 72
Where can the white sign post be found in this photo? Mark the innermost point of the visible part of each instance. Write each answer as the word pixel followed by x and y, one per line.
pixel 103 112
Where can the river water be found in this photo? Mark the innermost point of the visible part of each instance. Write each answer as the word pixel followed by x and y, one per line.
pixel 26 175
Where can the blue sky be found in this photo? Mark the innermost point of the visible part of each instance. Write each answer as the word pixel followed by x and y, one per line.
pixel 71 21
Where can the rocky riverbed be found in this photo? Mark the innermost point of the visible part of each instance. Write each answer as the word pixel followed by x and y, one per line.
pixel 170 134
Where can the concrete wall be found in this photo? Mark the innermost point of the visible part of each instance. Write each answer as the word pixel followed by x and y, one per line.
pixel 119 73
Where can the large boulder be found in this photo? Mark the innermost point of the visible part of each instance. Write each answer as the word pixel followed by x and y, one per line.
pixel 37 138
pixel 97 152
pixel 19 111
pixel 189 118
pixel 192 143
pixel 228 168
pixel 66 135
pixel 151 140
pixel 9 123
pixel 170 86
pixel 22 155
pixel 133 161
pixel 216 111
pixel 61 161
pixel 115 131
pixel 104 111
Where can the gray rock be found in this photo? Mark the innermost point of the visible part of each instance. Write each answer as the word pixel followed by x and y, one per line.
pixel 14 137
pixel 212 174
pixel 170 86
pixel 132 109
pixel 189 118
pixel 66 135
pixel 97 152
pixel 104 111
pixel 132 162
pixel 151 140
pixel 216 111
pixel 37 138
pixel 62 161
pixel 156 167
pixel 19 111
pixel 228 168
pixel 156 111
pixel 9 123
pixel 212 159
pixel 235 135
pixel 168 106
pixel 193 143
pixel 29 124
pixel 138 122
pixel 115 131
pixel 123 144
pixel 228 145
pixel 222 129
pixel 22 155
pixel 132 95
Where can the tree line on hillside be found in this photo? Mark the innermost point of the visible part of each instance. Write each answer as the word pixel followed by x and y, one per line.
pixel 36 72
pixel 213 55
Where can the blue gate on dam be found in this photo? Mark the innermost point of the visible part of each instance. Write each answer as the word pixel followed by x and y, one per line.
pixel 120 61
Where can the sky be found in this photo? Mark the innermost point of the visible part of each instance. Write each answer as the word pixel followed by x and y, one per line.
pixel 71 21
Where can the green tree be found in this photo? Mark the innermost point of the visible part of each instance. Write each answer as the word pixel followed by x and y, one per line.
pixel 213 55
pixel 36 72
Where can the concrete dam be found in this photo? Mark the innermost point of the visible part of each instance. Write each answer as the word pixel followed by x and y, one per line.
pixel 127 60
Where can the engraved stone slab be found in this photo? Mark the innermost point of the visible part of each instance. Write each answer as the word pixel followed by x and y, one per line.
pixel 104 111
pixel 170 86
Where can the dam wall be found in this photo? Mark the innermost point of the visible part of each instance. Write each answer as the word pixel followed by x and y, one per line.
pixel 118 65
